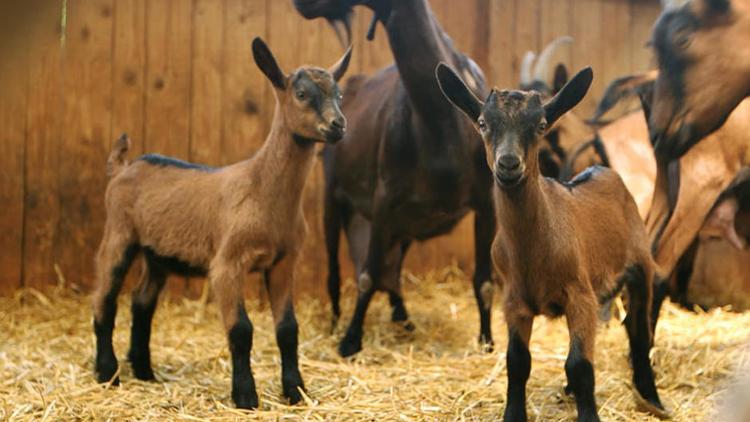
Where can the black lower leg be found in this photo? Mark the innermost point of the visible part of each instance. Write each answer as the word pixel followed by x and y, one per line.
pixel 518 361
pixel 639 336
pixel 661 290
pixel 286 338
pixel 106 361
pixel 352 341
pixel 483 291
pixel 484 233
pixel 399 310
pixel 140 331
pixel 580 374
pixel 240 345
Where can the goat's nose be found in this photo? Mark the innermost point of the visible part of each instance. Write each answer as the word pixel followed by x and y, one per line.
pixel 338 123
pixel 508 162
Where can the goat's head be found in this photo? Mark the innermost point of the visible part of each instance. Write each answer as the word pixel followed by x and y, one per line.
pixel 339 12
pixel 511 122
pixel 703 71
pixel 309 98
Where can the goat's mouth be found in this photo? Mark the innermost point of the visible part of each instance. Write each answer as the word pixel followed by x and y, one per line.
pixel 508 179
pixel 333 134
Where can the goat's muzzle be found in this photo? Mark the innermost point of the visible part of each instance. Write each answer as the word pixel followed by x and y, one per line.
pixel 335 131
pixel 509 170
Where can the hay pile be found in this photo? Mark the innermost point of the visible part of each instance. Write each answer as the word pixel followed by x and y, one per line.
pixel 435 373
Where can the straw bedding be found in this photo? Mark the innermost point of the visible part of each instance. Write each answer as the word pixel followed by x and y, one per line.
pixel 435 373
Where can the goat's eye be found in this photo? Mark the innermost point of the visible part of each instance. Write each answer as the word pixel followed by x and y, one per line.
pixel 542 126
pixel 300 95
pixel 482 124
pixel 682 41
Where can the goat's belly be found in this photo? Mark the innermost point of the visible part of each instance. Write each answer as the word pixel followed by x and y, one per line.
pixel 422 221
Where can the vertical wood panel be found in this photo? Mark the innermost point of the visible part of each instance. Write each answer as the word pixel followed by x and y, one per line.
pixel 13 78
pixel 556 22
pixel 502 29
pixel 168 69
pixel 588 48
pixel 644 14
pixel 243 85
pixel 44 117
pixel 206 116
pixel 129 73
pixel 87 116
pixel 527 34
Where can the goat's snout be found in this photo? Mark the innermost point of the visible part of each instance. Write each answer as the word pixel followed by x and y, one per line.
pixel 335 130
pixel 508 170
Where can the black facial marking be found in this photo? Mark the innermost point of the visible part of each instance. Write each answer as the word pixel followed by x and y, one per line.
pixel 513 112
pixel 672 61
pixel 163 161
pixel 173 265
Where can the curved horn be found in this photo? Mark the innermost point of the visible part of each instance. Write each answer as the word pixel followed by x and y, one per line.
pixel 526 64
pixel 541 70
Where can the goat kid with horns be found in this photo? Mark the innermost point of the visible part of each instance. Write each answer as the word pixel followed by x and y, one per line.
pixel 223 222
pixel 560 249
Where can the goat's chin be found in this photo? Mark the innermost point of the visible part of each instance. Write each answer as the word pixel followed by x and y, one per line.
pixel 508 181
pixel 332 136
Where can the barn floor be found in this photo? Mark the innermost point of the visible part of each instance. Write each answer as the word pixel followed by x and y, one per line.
pixel 434 373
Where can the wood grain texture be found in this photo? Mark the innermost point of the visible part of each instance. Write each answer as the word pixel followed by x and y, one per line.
pixel 179 77
pixel 45 123
pixel 87 93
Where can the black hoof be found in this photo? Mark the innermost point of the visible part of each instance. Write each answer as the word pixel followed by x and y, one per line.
pixel 141 367
pixel 486 343
pixel 408 326
pixel 106 370
pixel 292 387
pixel 245 399
pixel 349 346
pixel 652 406
pixel 568 390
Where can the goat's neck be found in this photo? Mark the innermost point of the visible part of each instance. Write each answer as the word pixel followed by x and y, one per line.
pixel 284 162
pixel 418 44
pixel 524 213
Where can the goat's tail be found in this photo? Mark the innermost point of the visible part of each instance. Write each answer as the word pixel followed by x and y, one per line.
pixel 116 161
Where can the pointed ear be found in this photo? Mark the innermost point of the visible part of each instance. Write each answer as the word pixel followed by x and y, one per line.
pixel 456 91
pixel 561 78
pixel 267 64
pixel 339 68
pixel 569 96
pixel 716 7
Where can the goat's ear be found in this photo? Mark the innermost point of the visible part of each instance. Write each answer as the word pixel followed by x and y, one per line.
pixel 646 95
pixel 561 78
pixel 267 64
pixel 569 96
pixel 339 68
pixel 716 7
pixel 456 91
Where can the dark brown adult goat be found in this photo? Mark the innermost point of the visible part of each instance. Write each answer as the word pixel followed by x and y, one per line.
pixel 223 222
pixel 410 167
pixel 704 65
pixel 560 249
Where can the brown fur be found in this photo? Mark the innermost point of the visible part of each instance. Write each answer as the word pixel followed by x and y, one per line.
pixel 705 71
pixel 227 221
pixel 560 249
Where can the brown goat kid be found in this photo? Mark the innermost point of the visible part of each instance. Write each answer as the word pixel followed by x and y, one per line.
pixel 224 222
pixel 560 249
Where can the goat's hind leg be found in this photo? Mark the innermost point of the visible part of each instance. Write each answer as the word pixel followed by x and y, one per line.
pixel 638 282
pixel 115 255
pixel 392 282
pixel 145 299
pixel 280 284
pixel 334 215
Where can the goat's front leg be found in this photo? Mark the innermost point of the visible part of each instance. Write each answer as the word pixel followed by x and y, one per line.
pixel 280 284
pixel 226 280
pixel 392 282
pixel 518 362
pixel 484 233
pixel 369 281
pixel 581 315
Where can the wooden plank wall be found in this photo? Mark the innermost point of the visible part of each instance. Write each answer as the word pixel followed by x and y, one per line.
pixel 178 76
